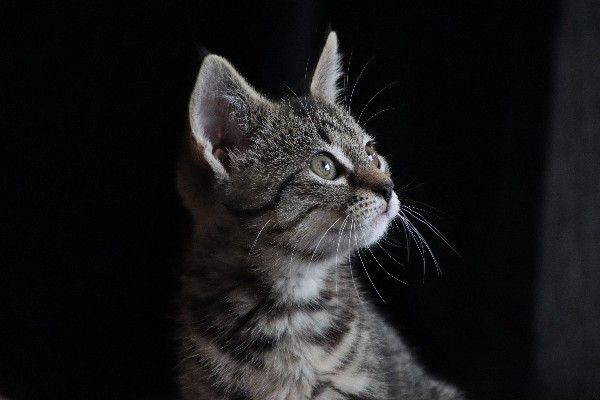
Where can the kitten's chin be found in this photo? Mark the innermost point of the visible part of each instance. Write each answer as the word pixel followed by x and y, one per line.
pixel 374 229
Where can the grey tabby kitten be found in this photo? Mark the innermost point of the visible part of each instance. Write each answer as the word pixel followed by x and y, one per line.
pixel 282 193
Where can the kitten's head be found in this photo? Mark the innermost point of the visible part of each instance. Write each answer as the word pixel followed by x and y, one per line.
pixel 301 171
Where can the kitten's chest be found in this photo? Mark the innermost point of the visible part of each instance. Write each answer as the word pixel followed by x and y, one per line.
pixel 322 349
pixel 315 336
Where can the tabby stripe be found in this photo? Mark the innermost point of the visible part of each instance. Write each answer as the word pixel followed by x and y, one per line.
pixel 297 220
pixel 349 396
pixel 323 136
pixel 317 390
pixel 240 348
pixel 321 387
pixel 246 318
pixel 333 335
pixel 241 212
pixel 237 341
pixel 350 355
pixel 317 303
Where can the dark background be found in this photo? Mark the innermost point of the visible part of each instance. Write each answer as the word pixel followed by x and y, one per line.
pixel 495 126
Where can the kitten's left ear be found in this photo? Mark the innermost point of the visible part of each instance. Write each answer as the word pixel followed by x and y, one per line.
pixel 223 108
pixel 324 83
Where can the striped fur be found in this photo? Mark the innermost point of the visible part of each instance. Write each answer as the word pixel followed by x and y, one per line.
pixel 269 309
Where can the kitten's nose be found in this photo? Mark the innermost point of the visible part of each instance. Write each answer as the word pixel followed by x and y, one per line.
pixel 385 189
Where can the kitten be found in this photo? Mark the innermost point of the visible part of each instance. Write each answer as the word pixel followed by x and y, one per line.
pixel 281 194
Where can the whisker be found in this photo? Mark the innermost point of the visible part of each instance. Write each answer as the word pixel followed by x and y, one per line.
pixel 365 267
pixel 407 187
pixel 291 90
pixel 419 209
pixel 435 230
pixel 406 237
pixel 378 263
pixel 350 261
pixel 411 230
pixel 426 207
pixel 390 256
pixel 393 243
pixel 346 80
pixel 372 98
pixel 385 270
pixel 319 243
pixel 367 272
pixel 342 227
pixel 388 238
pixel 257 236
pixel 356 83
pixel 433 212
pixel 425 245
pixel 379 112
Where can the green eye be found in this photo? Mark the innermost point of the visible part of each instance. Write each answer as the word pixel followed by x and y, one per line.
pixel 372 154
pixel 324 167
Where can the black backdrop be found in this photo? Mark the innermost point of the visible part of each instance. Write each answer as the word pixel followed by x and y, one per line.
pixel 93 103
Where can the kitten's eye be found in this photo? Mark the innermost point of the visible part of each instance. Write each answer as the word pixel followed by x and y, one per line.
pixel 324 167
pixel 372 154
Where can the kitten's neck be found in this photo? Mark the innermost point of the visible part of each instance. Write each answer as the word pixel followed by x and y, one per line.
pixel 221 251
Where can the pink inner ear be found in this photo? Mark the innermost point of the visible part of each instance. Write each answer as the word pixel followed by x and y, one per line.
pixel 226 136
pixel 220 128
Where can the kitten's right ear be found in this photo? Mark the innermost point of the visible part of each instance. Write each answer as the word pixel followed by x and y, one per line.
pixel 324 83
pixel 222 109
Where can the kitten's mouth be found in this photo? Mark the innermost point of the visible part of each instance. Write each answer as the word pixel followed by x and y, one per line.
pixel 393 206
pixel 377 226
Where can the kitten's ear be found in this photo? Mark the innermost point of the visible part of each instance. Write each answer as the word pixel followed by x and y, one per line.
pixel 324 84
pixel 222 110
